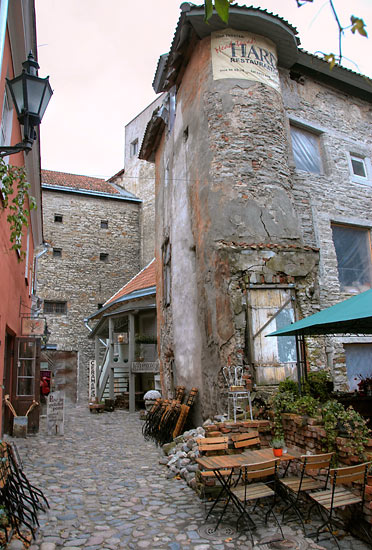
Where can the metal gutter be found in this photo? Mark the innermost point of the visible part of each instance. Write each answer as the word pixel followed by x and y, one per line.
pixel 142 293
pixel 100 194
pixel 127 309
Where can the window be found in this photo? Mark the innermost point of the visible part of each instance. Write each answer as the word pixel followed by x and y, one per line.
pixel 358 166
pixel 358 363
pixel 57 308
pixel 134 148
pixel 103 257
pixel 104 224
pixel 6 121
pixel 26 367
pixel 306 151
pixel 57 252
pixel 166 273
pixel 353 251
pixel 58 218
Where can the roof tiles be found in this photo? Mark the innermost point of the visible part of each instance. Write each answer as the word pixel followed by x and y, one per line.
pixel 144 279
pixel 77 182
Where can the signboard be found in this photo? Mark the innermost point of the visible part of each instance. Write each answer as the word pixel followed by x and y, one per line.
pixel 33 327
pixel 244 55
pixel 145 366
pixel 92 379
pixel 56 413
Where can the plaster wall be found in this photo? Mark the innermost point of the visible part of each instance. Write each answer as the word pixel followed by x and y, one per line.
pixel 139 178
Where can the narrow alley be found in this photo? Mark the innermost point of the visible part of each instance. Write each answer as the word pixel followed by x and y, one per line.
pixel 107 490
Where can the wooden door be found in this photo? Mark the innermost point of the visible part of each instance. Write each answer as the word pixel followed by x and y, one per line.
pixel 274 358
pixel 26 380
pixel 7 381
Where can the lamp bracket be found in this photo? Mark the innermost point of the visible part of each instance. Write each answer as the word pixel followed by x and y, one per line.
pixel 25 145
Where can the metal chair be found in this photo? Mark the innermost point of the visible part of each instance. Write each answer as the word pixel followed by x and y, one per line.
pixel 297 487
pixel 327 501
pixel 249 492
pixel 237 391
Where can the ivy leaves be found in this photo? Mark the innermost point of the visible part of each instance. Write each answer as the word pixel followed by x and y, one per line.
pixel 358 24
pixel 17 201
pixel 221 7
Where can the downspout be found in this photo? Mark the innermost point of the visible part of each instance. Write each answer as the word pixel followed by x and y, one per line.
pixel 91 330
pixel 3 19
pixel 38 255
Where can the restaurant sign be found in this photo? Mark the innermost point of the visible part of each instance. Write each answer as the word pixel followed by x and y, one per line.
pixel 244 55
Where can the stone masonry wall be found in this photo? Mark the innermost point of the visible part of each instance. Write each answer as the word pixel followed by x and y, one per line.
pixel 343 125
pixel 79 277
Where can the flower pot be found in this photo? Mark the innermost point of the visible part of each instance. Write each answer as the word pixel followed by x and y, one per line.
pixel 278 452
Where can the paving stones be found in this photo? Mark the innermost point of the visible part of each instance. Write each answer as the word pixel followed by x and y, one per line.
pixel 107 491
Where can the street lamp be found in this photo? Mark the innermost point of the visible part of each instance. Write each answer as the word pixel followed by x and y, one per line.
pixel 30 95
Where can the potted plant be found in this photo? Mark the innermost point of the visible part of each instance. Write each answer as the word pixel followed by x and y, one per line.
pixel 277 445
pixel 365 385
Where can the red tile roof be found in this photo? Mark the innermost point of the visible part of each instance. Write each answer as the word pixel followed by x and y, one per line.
pixel 74 181
pixel 144 279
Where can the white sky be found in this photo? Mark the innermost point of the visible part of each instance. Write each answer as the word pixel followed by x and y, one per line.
pixel 101 56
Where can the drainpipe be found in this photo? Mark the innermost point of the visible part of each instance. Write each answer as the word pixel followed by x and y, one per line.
pixel 91 330
pixel 34 283
pixel 3 19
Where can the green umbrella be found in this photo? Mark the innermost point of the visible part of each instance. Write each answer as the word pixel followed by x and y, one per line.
pixel 352 316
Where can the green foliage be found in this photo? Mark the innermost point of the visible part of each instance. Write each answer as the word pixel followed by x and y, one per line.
pixel 288 385
pixel 306 405
pixel 14 190
pixel 339 421
pixel 318 385
pixel 277 443
pixel 282 402
pixel 221 7
pixel 358 24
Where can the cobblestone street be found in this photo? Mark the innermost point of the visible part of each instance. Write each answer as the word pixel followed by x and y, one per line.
pixel 107 491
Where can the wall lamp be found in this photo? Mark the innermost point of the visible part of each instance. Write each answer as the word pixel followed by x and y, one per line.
pixel 30 95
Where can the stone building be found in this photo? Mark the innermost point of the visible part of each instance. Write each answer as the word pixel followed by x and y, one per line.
pixel 138 177
pixel 92 229
pixel 263 196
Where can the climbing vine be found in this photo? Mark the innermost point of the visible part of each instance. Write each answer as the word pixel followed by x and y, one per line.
pixel 18 202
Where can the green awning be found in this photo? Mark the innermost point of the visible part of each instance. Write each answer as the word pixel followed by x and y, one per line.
pixel 352 316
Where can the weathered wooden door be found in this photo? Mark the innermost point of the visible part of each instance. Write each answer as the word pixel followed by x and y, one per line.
pixel 274 358
pixel 26 380
pixel 7 381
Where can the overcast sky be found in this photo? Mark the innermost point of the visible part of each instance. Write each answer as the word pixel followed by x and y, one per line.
pixel 101 56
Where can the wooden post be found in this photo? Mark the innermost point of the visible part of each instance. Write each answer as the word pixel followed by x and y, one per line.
pixel 98 371
pixel 132 379
pixel 111 357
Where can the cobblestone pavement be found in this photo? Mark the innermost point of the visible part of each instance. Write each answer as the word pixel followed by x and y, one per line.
pixel 107 490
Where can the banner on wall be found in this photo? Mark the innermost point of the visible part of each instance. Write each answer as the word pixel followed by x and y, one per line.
pixel 244 55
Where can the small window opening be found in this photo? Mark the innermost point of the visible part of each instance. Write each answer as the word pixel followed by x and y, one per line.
pixel 58 218
pixel 103 257
pixel 358 166
pixel 104 224
pixel 134 148
pixel 57 252
pixel 59 308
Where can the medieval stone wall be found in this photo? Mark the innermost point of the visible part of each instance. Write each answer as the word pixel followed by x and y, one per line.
pixel 343 126
pixel 239 216
pixel 79 276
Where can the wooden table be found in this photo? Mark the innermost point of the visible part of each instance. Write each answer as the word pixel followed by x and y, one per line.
pixel 229 462
pixel 247 457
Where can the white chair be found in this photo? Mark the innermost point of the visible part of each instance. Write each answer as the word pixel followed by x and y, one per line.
pixel 237 392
